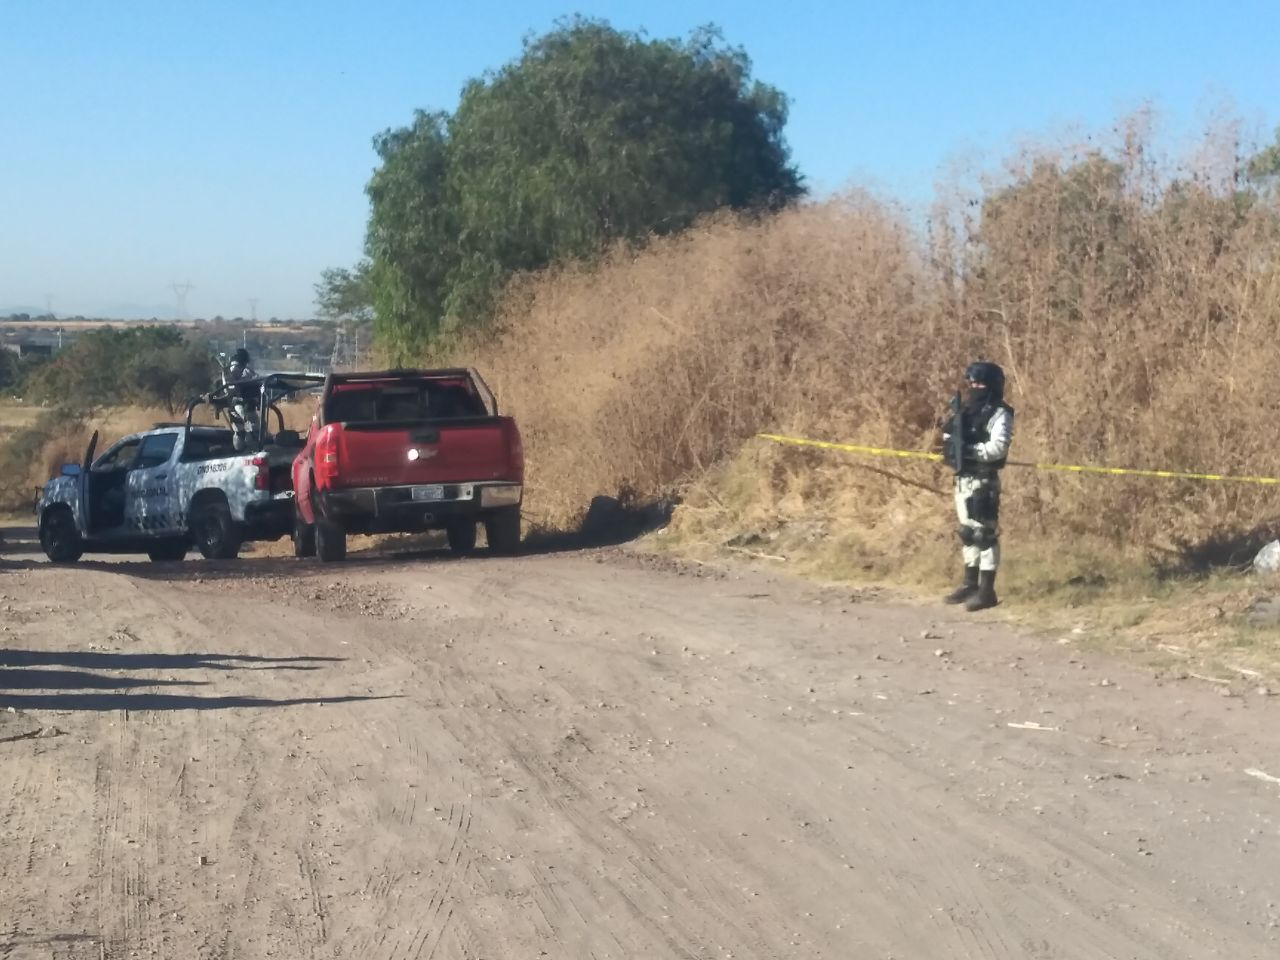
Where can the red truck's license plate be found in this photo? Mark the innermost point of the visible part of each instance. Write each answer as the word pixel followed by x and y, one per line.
pixel 433 491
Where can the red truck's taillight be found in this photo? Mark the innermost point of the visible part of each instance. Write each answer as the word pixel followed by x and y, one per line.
pixel 326 456
pixel 261 479
pixel 516 447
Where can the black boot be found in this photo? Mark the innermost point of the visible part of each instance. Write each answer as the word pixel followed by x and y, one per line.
pixel 985 597
pixel 966 590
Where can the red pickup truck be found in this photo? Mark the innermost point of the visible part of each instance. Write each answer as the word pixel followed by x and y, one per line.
pixel 401 451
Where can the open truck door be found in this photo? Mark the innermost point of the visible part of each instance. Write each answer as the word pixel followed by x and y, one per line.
pixel 83 480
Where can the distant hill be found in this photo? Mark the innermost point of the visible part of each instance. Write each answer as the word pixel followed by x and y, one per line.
pixel 135 312
pixel 123 311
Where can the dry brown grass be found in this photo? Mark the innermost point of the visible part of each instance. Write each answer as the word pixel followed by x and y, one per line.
pixel 16 416
pixel 653 367
pixel 36 450
pixel 1138 319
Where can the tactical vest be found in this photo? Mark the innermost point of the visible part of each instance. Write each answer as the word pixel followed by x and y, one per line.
pixel 977 429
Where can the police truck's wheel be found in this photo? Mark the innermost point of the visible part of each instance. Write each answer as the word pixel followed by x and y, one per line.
pixel 59 536
pixel 502 529
pixel 168 551
pixel 214 531
pixel 304 538
pixel 462 536
pixel 331 541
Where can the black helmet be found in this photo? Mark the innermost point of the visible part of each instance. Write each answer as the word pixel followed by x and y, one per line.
pixel 241 356
pixel 989 375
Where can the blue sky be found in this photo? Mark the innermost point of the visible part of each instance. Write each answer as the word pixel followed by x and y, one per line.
pixel 227 144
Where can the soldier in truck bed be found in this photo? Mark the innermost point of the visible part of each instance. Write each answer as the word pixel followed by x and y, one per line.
pixel 244 409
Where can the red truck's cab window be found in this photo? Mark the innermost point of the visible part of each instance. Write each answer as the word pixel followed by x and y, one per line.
pixel 400 401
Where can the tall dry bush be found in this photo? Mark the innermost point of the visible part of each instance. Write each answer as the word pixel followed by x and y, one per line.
pixel 23 456
pixel 1136 311
pixel 649 368
pixel 1139 313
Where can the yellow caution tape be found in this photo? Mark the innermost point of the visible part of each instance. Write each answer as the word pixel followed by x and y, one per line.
pixel 851 447
pixel 1161 474
pixel 1059 467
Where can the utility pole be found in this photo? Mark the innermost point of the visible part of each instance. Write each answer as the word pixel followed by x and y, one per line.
pixel 48 305
pixel 180 291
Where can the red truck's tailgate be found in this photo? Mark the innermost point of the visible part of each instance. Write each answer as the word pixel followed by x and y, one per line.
pixel 396 454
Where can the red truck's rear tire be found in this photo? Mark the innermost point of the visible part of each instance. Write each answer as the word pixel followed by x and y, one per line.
pixel 331 541
pixel 304 537
pixel 502 530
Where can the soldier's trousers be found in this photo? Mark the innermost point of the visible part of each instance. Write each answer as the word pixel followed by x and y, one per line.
pixel 244 424
pixel 978 509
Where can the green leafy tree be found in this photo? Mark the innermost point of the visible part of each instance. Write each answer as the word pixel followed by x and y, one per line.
pixel 10 370
pixel 412 236
pixel 170 376
pixel 591 137
pixel 343 294
pixel 150 365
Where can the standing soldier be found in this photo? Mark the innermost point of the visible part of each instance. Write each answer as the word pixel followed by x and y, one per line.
pixel 977 439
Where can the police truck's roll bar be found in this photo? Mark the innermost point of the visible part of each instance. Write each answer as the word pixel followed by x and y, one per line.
pixel 270 390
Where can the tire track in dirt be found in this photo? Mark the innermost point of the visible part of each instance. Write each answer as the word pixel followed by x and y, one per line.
pixel 109 918
pixel 562 920
pixel 18 828
pixel 126 848
pixel 649 885
pixel 347 789
pixel 554 784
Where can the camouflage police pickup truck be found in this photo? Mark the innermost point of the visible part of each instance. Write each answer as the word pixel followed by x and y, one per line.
pixel 177 486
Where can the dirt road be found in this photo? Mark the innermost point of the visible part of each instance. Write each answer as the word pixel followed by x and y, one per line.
pixel 596 755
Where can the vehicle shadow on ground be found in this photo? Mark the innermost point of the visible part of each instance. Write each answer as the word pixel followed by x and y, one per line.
pixel 37 941
pixel 80 680
pixel 198 569
pixel 104 702
pixel 99 660
pixel 41 688
pixel 607 523
pixel 20 541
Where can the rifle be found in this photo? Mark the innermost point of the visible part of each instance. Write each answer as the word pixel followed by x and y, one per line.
pixel 955 444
